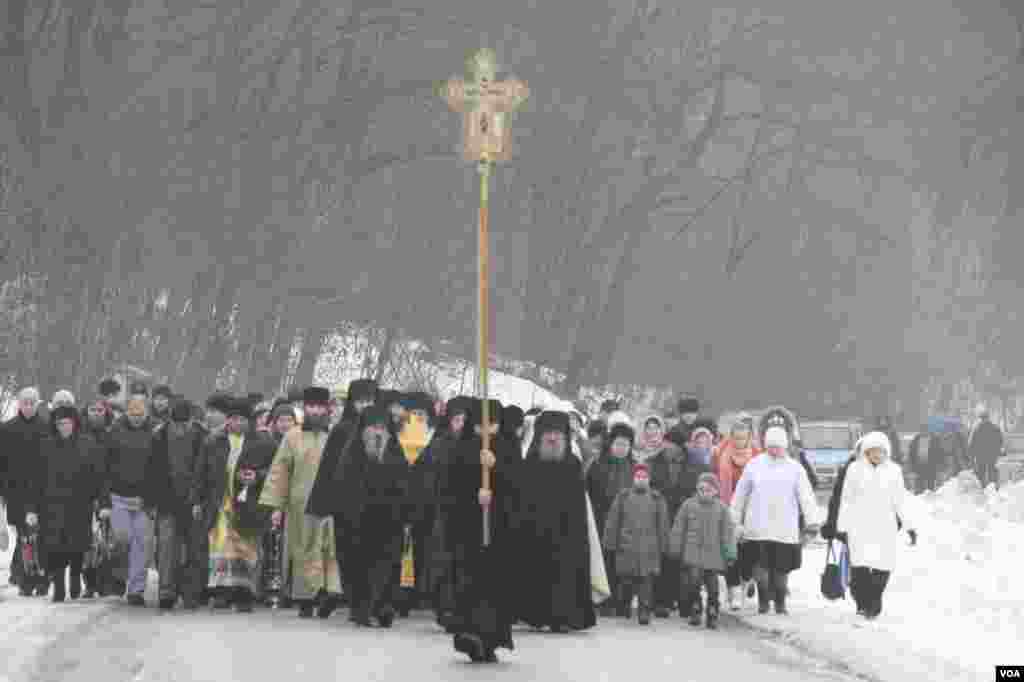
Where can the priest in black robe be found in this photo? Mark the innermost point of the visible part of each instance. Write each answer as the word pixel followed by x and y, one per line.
pixel 483 575
pixel 554 547
pixel 371 488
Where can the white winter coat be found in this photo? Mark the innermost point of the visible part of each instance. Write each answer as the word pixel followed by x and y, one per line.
pixel 872 498
pixel 769 498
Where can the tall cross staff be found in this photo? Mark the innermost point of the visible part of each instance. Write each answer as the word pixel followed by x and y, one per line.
pixel 484 103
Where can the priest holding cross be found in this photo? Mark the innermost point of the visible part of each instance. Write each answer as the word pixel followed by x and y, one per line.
pixel 483 546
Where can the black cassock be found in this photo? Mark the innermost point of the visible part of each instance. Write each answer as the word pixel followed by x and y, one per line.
pixel 369 517
pixel 554 547
pixel 483 577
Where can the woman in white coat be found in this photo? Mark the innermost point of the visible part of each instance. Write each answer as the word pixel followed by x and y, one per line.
pixel 873 499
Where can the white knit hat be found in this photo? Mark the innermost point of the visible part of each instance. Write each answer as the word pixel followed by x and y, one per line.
pixel 63 397
pixel 29 393
pixel 775 437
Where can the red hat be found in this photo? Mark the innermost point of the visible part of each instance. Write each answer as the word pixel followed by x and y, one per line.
pixel 637 468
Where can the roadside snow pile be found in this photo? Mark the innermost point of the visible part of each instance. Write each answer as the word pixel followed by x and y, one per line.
pixel 954 606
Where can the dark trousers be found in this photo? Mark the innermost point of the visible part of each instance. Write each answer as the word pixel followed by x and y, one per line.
pixel 666 586
pixel 772 586
pixel 986 472
pixel 372 581
pixel 629 585
pixel 867 586
pixel 57 564
pixel 742 569
pixel 179 556
pixel 692 577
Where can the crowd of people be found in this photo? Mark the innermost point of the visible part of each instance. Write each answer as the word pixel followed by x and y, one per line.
pixel 387 502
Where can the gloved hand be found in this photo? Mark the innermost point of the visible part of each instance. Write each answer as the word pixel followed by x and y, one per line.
pixel 31 519
pixel 197 512
pixel 276 518
pixel 843 538
pixel 104 514
pixel 740 533
pixel 913 537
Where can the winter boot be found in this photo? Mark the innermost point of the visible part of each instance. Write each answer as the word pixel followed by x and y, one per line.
pixel 661 612
pixel 244 601
pixel 135 599
pixel 781 591
pixel 58 589
pixel 644 615
pixel 326 608
pixel 167 603
pixel 712 617
pixel 472 646
pixel 306 609
pixel 386 616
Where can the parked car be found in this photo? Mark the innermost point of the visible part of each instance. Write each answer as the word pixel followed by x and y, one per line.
pixel 828 445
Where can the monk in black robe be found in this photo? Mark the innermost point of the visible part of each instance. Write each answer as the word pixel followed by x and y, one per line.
pixel 483 576
pixel 554 549
pixel 371 489
pixel 439 453
pixel 362 393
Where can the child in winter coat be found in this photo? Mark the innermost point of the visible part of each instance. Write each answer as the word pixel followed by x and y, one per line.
pixel 704 540
pixel 636 530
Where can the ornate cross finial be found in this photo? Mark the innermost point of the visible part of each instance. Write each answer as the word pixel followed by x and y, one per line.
pixel 484 103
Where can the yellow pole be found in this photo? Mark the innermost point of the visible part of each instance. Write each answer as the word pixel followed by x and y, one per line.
pixel 483 328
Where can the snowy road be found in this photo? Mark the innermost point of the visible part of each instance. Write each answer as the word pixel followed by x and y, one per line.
pixel 122 643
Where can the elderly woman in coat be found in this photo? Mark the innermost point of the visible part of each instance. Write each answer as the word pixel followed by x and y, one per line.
pixel 873 498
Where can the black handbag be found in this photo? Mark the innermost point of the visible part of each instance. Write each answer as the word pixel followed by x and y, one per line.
pixel 832 587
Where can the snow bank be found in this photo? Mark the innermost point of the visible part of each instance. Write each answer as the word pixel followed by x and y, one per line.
pixel 954 606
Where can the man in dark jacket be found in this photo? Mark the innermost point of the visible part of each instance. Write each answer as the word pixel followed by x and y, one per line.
pixel 129 450
pixel 19 462
pixel 161 406
pixel 679 435
pixel 986 448
pixel 171 493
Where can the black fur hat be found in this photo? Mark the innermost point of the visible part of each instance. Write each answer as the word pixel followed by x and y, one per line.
pixel 512 418
pixel 138 388
pixel 552 420
pixel 109 388
pixel 689 405
pixel 362 389
pixel 219 401
pixel 461 404
pixel 181 411
pixel 317 395
pixel 163 390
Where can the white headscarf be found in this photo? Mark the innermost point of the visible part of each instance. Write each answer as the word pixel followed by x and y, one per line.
pixel 875 439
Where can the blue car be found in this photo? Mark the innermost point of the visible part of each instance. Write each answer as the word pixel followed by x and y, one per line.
pixel 828 445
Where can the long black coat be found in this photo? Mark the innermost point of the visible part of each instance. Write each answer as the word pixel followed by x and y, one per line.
pixel 484 579
pixel 19 463
pixel 172 470
pixel 69 482
pixel 553 545
pixel 212 477
pixel 372 504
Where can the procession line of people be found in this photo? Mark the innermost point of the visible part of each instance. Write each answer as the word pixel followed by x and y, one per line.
pixel 377 502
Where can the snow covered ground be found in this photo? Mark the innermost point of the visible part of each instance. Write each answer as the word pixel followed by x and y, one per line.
pixel 953 609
